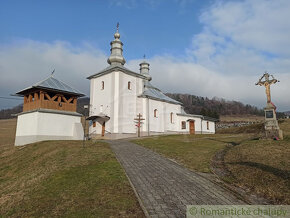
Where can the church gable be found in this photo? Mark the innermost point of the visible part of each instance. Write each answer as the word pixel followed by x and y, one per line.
pixel 114 68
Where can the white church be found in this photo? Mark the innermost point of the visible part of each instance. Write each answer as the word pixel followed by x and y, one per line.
pixel 118 95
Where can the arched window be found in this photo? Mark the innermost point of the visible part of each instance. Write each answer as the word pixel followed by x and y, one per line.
pixel 171 117
pixel 129 85
pixel 103 85
pixel 207 125
pixel 155 112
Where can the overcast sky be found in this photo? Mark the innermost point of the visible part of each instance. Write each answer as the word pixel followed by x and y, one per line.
pixel 205 48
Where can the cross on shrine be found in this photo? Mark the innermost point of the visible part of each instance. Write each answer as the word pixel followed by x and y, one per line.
pixel 267 82
pixel 139 119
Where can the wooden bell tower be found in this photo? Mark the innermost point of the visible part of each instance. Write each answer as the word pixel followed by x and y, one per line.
pixel 50 94
pixel 49 113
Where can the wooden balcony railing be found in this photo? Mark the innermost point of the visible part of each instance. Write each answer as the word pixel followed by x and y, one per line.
pixel 44 100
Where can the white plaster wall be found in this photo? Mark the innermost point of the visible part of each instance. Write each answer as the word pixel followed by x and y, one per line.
pixel 101 100
pixel 180 119
pixel 144 104
pixel 172 108
pixel 27 124
pixel 119 103
pixel 211 127
pixel 56 124
pixel 127 103
pixel 156 123
pixel 115 102
pixel 39 126
pixel 197 124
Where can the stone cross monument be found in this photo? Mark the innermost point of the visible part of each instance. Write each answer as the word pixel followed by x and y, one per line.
pixel 272 129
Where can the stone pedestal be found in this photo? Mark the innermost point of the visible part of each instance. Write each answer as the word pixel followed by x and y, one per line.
pixel 271 124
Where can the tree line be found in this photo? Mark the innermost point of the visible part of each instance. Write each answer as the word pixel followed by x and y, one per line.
pixel 214 107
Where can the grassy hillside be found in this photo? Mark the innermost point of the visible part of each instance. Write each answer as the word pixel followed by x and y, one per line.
pixel 257 128
pixel 258 166
pixel 61 178
pixel 263 166
pixel 192 151
pixel 240 118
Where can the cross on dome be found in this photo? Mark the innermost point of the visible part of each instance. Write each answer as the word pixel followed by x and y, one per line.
pixel 116 57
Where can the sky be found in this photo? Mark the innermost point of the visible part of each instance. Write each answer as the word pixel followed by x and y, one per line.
pixel 210 48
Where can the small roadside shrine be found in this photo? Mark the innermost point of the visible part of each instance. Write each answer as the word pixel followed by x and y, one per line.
pixel 49 113
pixel 272 129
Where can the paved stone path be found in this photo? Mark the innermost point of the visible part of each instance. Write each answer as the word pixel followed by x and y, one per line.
pixel 164 187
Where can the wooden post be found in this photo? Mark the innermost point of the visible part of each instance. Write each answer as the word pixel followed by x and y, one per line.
pixel 30 101
pixel 41 99
pixel 139 123
pixel 36 100
pixel 25 103
pixel 75 104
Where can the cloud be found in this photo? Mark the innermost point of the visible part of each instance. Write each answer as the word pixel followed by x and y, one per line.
pixel 179 76
pixel 242 39
pixel 262 24
pixel 131 4
pixel 27 62
pixel 126 3
pixel 254 33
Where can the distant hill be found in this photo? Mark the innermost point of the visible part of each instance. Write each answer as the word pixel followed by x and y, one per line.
pixel 80 105
pixel 214 107
pixel 7 113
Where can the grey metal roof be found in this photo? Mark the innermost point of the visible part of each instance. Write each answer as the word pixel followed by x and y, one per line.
pixel 114 67
pixel 155 94
pixel 52 84
pixel 184 114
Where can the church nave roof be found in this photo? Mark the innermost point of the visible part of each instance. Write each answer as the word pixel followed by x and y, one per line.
pixel 154 93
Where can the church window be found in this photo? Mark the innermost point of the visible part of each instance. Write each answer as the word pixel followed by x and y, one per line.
pixel 129 85
pixel 155 113
pixel 103 85
pixel 171 117
pixel 183 125
pixel 207 125
pixel 94 124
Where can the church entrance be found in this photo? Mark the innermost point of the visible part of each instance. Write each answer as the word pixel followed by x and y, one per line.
pixel 191 127
pixel 103 128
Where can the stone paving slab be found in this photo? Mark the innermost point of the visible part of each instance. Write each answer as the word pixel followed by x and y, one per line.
pixel 164 187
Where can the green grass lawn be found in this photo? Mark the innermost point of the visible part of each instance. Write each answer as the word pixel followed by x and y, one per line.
pixel 193 151
pixel 61 178
pixel 263 166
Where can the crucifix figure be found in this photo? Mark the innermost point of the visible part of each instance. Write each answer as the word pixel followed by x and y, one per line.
pixel 139 119
pixel 267 82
